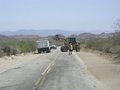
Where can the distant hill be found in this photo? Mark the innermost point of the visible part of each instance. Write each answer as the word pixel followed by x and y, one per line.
pixel 52 34
pixel 39 32
pixel 85 36
pixel 106 35
pixel 3 37
pixel 25 37
pixel 73 35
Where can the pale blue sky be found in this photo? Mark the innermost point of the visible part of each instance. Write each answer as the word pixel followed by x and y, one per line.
pixel 84 15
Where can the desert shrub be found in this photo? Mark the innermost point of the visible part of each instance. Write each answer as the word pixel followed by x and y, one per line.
pixel 9 47
pixel 1 53
pixel 27 46
pixel 14 50
pixel 95 44
pixel 115 40
pixel 115 49
pixel 13 47
pixel 107 48
pixel 89 43
pixel 108 45
pixel 98 44
pixel 7 50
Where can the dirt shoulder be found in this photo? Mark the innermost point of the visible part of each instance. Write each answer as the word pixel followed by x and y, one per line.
pixel 7 61
pixel 103 69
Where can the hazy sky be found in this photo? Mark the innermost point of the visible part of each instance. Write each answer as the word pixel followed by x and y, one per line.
pixel 85 15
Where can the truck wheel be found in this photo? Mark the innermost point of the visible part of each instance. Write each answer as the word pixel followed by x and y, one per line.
pixel 48 51
pixel 64 49
pixel 77 50
pixel 39 51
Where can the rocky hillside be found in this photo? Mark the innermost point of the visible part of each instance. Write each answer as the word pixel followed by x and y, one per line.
pixel 106 35
pixel 3 37
pixel 81 36
pixel 86 36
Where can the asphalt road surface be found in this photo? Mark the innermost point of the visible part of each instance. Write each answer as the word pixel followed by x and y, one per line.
pixel 68 73
pixel 24 75
pixel 53 71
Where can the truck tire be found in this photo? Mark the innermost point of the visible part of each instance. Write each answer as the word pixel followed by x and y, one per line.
pixel 48 51
pixel 78 50
pixel 39 51
pixel 64 49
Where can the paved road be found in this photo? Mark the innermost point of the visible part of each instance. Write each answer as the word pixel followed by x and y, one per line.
pixel 53 71
pixel 68 73
pixel 24 75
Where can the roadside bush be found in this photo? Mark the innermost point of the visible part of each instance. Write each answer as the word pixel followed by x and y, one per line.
pixel 14 50
pixel 106 48
pixel 108 45
pixel 7 50
pixel 27 46
pixel 98 44
pixel 13 47
pixel 115 49
pixel 95 44
pixel 1 53
pixel 89 44
pixel 116 39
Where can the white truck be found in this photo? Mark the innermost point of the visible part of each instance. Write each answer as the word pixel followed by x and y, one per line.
pixel 43 46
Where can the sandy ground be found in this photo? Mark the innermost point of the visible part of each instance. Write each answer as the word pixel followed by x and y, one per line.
pixel 7 61
pixel 103 69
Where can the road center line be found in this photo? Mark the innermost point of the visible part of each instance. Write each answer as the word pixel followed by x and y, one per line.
pixel 46 71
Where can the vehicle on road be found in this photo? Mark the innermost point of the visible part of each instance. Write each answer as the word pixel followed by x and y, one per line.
pixel 70 41
pixel 43 46
pixel 53 47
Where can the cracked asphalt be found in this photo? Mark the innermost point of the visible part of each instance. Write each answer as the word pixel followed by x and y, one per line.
pixel 66 73
pixel 24 75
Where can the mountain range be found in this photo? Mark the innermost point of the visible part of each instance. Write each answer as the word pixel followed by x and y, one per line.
pixel 39 32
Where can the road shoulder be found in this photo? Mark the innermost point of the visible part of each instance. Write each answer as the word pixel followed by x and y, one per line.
pixel 7 62
pixel 102 69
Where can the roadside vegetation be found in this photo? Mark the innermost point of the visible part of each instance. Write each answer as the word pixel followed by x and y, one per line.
pixel 14 47
pixel 11 46
pixel 107 45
